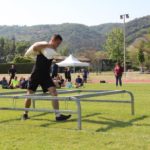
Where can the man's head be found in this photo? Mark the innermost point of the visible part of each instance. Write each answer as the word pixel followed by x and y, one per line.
pixel 12 66
pixel 55 40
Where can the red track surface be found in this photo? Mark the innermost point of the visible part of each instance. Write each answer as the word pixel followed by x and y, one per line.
pixel 124 81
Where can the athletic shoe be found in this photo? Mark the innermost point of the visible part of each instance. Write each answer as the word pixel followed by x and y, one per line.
pixel 63 117
pixel 25 117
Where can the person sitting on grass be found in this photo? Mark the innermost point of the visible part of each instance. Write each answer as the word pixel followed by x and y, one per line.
pixel 62 81
pixel 14 83
pixel 4 83
pixel 79 82
pixel 57 81
pixel 23 83
pixel 69 84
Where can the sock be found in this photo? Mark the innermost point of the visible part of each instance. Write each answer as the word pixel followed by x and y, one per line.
pixel 57 114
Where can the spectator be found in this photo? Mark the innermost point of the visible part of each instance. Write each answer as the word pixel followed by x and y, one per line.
pixel 118 71
pixel 69 84
pixel 67 74
pixel 54 70
pixel 14 83
pixel 4 83
pixel 23 83
pixel 12 72
pixel 62 81
pixel 57 81
pixel 85 75
pixel 78 82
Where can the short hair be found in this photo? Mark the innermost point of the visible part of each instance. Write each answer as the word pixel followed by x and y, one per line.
pixel 57 37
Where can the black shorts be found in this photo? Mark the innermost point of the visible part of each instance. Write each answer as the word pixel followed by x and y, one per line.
pixel 45 83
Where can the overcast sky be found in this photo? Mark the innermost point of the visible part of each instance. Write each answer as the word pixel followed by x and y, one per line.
pixel 88 12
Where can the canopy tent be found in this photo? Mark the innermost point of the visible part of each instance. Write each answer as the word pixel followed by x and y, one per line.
pixel 71 61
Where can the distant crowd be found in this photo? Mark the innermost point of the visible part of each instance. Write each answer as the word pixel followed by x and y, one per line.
pixel 58 79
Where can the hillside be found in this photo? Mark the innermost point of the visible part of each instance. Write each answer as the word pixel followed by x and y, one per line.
pixel 76 36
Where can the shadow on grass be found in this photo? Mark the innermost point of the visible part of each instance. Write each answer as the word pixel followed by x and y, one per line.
pixel 49 121
pixel 70 120
pixel 17 119
pixel 111 123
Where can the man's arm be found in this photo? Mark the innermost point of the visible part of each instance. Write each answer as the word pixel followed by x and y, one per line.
pixel 38 46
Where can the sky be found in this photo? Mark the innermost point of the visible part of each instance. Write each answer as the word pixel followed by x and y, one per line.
pixel 88 12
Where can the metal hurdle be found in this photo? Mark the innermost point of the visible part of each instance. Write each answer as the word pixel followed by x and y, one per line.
pixel 77 99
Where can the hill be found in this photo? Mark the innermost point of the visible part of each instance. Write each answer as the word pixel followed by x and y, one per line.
pixel 77 36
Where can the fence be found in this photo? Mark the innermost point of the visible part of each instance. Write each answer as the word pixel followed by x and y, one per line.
pixel 77 99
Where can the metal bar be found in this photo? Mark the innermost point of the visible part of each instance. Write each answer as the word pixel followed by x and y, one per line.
pixel 95 90
pixel 21 92
pixel 132 102
pixel 78 112
pixel 67 91
pixel 38 110
pixel 33 103
pixel 100 94
pixel 113 101
pixel 32 96
pixel 16 92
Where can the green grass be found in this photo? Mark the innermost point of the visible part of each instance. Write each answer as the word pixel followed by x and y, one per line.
pixel 105 125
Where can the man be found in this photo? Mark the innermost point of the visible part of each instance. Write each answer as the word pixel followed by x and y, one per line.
pixel 12 73
pixel 54 70
pixel 14 83
pixel 78 82
pixel 4 83
pixel 67 74
pixel 85 74
pixel 40 76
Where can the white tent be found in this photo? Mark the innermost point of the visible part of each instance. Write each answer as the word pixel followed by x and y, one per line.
pixel 71 61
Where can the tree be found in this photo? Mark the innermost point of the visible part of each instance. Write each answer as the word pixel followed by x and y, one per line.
pixel 21 46
pixel 114 44
pixel 64 50
pixel 22 59
pixel 13 45
pixel 94 56
pixel 133 55
pixel 7 47
pixel 141 57
pixel 2 43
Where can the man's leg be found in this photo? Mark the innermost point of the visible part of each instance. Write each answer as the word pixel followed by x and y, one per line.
pixel 11 77
pixel 53 92
pixel 55 104
pixel 27 105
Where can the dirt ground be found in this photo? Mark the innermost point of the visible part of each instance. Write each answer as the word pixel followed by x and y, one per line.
pixel 129 77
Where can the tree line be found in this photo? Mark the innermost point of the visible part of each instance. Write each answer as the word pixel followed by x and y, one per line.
pixel 138 53
pixel 10 48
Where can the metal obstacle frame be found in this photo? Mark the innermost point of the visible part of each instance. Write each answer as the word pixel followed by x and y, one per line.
pixel 77 99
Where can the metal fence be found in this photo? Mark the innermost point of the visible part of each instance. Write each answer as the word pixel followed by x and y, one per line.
pixel 82 96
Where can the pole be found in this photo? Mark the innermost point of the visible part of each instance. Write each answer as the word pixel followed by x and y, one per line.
pixel 124 27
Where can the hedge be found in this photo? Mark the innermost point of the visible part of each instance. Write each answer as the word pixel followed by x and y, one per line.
pixel 20 67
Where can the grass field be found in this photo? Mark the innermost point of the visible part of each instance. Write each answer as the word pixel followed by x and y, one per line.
pixel 105 126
